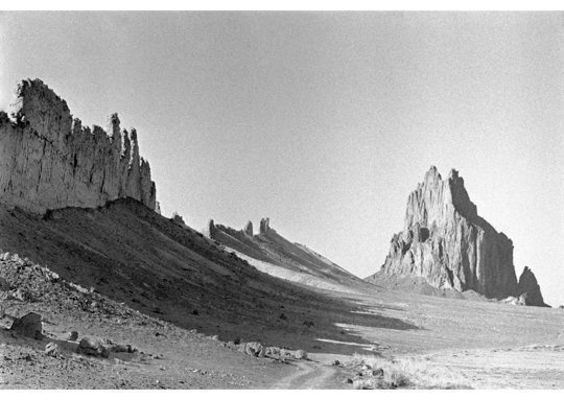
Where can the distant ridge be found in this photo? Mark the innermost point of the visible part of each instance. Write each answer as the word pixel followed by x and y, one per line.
pixel 270 252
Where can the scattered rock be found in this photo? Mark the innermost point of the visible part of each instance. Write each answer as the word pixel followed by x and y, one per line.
pixel 516 301
pixel 93 346
pixel 21 294
pixel 272 352
pixel 29 325
pixel 300 354
pixel 336 363
pixel 51 349
pixel 254 349
pixel 121 348
pixel 72 336
pixel 4 285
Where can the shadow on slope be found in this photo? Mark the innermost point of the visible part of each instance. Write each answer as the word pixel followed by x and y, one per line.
pixel 272 253
pixel 133 255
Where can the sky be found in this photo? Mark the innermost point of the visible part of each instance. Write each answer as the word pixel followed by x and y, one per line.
pixel 322 121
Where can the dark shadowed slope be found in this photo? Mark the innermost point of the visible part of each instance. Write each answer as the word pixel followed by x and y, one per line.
pixel 134 255
pixel 272 253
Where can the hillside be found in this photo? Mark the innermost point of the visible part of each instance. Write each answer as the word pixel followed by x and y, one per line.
pixel 135 256
pixel 98 290
pixel 273 254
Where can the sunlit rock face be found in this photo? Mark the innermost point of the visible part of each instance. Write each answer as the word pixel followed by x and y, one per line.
pixel 446 242
pixel 48 160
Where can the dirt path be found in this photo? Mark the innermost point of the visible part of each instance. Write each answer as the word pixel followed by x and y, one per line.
pixel 311 375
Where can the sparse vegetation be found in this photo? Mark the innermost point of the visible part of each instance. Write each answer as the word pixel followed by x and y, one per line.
pixel 383 373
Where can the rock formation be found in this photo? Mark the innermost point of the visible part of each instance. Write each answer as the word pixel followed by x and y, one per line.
pixel 529 290
pixel 445 242
pixel 264 225
pixel 50 161
pixel 29 325
pixel 249 228
pixel 178 220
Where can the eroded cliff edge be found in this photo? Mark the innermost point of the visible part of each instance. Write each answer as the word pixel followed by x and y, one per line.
pixel 447 243
pixel 48 160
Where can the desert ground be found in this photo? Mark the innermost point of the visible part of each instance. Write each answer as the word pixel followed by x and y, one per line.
pixel 82 275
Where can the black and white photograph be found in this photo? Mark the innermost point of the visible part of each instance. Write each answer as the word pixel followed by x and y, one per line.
pixel 281 199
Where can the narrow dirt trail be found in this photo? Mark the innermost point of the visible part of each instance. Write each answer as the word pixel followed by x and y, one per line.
pixel 310 375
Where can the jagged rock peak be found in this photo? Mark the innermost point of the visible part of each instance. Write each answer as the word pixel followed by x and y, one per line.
pixel 447 243
pixel 529 289
pixel 264 225
pixel 177 219
pixel 210 230
pixel 48 160
pixel 249 228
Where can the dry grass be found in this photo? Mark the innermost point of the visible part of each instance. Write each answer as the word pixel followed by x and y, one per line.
pixel 409 373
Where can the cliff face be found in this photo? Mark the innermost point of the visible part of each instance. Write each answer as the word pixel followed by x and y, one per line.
pixel 445 242
pixel 49 161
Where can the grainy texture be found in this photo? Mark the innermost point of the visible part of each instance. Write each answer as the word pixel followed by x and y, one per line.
pixel 448 244
pixel 50 161
pixel 529 289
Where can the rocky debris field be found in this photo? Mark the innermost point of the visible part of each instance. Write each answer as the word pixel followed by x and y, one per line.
pixel 55 334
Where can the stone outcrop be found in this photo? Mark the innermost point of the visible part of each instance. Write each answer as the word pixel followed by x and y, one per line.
pixel 29 325
pixel 264 225
pixel 210 229
pixel 48 160
pixel 249 229
pixel 447 243
pixel 93 346
pixel 178 220
pixel 529 290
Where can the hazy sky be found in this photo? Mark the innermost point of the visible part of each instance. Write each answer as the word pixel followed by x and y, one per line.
pixel 323 121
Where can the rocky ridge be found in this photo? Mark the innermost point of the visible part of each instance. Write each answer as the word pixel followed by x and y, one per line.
pixel 48 160
pixel 447 243
pixel 272 253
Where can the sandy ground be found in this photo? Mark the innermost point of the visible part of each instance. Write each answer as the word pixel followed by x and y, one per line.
pixel 167 292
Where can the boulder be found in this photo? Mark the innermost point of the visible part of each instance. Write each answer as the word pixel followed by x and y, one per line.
pixel 21 294
pixel 445 242
pixel 51 349
pixel 93 346
pixel 29 325
pixel 254 349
